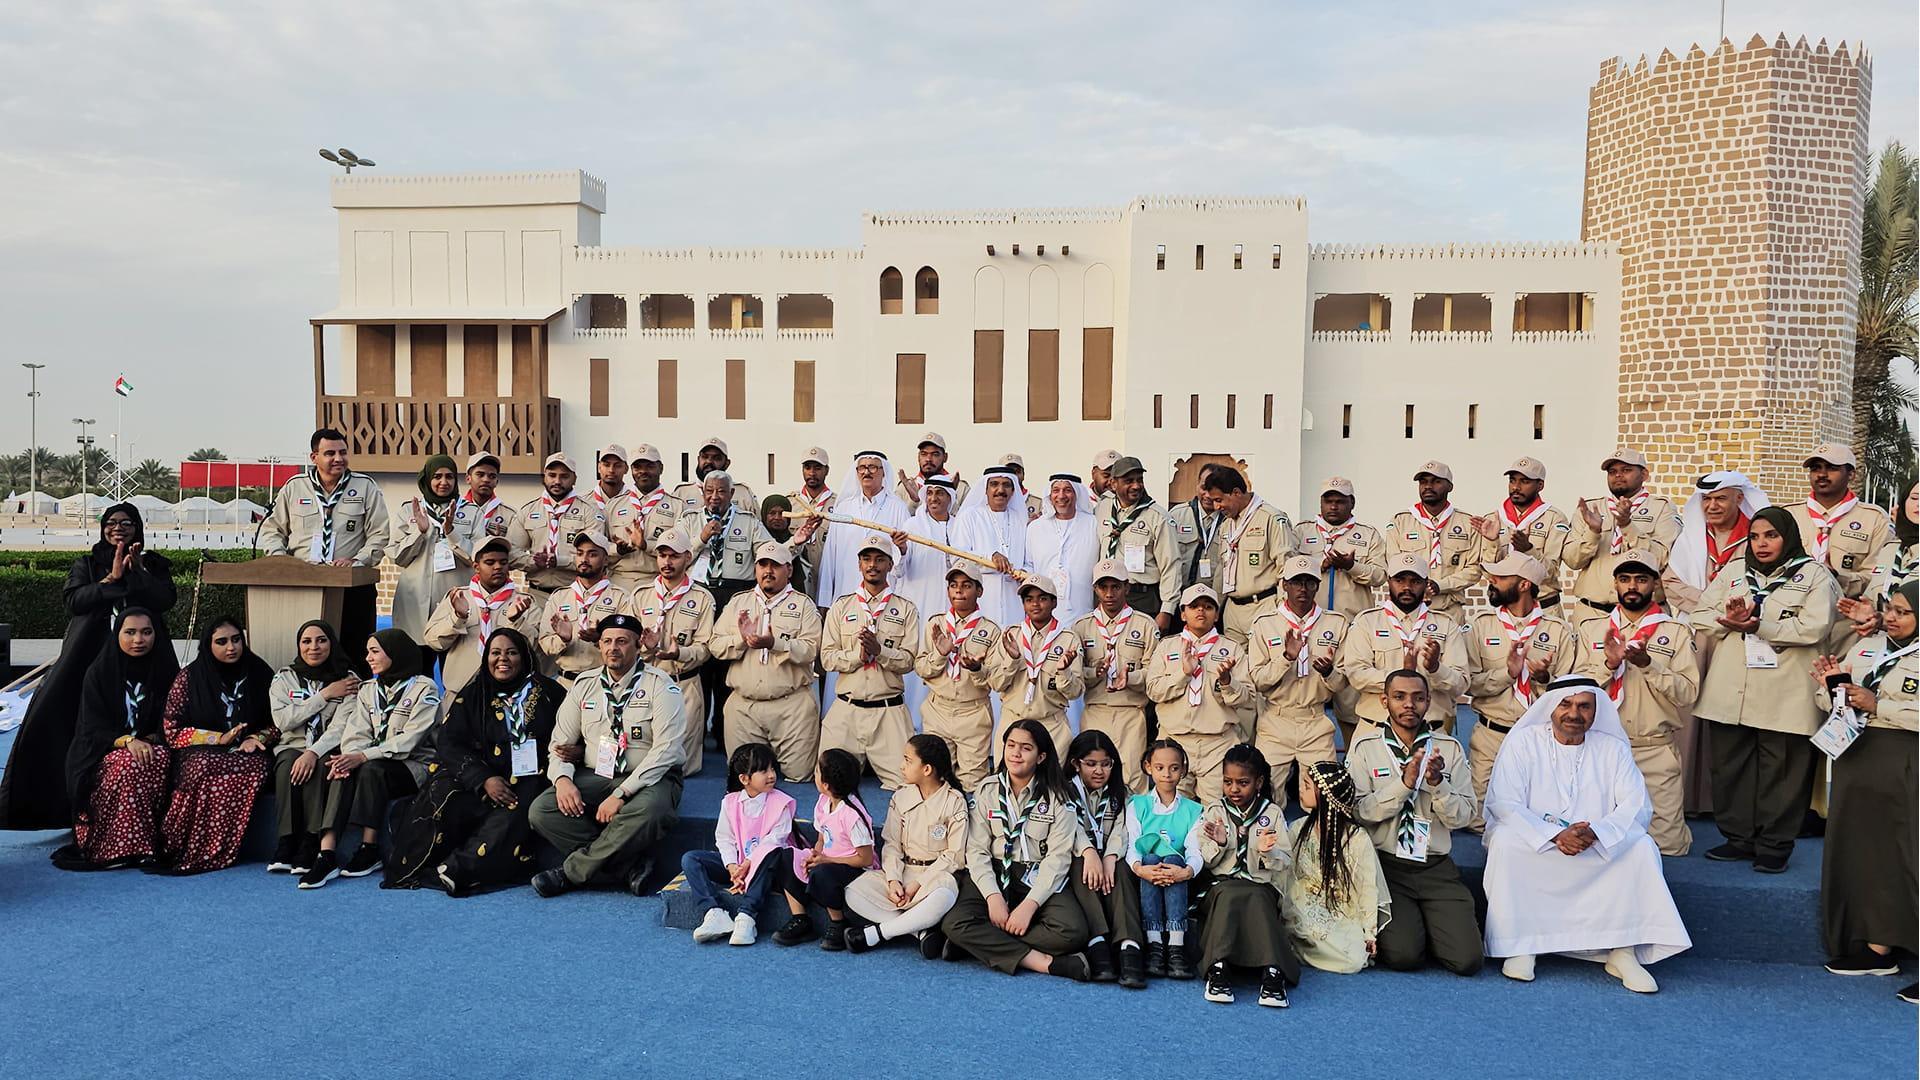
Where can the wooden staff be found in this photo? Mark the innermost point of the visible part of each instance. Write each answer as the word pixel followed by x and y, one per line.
pixel 1018 575
pixel 27 681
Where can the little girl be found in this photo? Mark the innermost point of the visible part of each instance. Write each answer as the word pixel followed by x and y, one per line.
pixel 1241 838
pixel 843 851
pixel 1108 896
pixel 924 845
pixel 754 831
pixel 1163 849
pixel 1336 899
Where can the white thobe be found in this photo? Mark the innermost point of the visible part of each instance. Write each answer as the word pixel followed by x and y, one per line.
pixel 839 569
pixel 985 532
pixel 1612 895
pixel 921 576
pixel 1065 550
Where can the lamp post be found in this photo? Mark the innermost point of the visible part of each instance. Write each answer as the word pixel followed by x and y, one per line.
pixel 86 442
pixel 33 428
pixel 346 159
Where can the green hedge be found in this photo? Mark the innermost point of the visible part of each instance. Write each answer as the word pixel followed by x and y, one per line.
pixel 33 586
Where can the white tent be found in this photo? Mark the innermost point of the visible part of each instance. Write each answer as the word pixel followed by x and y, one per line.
pixel 243 510
pixel 32 502
pixel 200 510
pixel 85 504
pixel 153 510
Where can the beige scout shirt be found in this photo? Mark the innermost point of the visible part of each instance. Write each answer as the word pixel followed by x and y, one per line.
pixel 1379 793
pixel 1652 697
pixel 462 639
pixel 1104 830
pixel 1140 539
pixel 1056 686
pixel 1278 679
pixel 576 605
pixel 1133 639
pixel 645 707
pixel 631 569
pixel 296 523
pixel 1488 643
pixel 1348 591
pixel 531 532
pixel 299 711
pixel 1461 552
pixel 1046 842
pixel 396 725
pixel 742 533
pixel 896 624
pixel 473 522
pixel 1223 860
pixel 931 832
pixel 1547 537
pixel 1894 705
pixel 1654 527
pixel 1261 552
pixel 1373 649
pixel 743 497
pixel 958 685
pixel 1218 711
pixel 771 673
pixel 1794 620
pixel 688 625
pixel 1853 543
pixel 1192 531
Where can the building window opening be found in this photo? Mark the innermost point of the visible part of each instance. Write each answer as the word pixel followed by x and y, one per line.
pixel 734 311
pixel 1159 401
pixel 1409 422
pixel 1199 257
pixel 926 292
pixel 1346 421
pixel 892 288
pixel 606 311
pixel 1160 257
pixel 1233 402
pixel 1276 256
pixel 1539 422
pixel 1453 312
pixel 1552 311
pixel 1239 250
pixel 1473 421
pixel 666 311
pixel 1193 411
pixel 806 311
pixel 1352 311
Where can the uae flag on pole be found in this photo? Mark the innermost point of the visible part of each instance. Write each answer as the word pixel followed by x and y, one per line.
pixel 122 387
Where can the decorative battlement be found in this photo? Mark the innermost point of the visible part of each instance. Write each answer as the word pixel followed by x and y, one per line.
pixel 1053 215
pixel 1614 69
pixel 1503 249
pixel 1351 335
pixel 1420 336
pixel 558 188
pixel 681 255
pixel 1214 204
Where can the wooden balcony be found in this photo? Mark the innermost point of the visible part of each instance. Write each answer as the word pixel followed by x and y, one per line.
pixel 396 434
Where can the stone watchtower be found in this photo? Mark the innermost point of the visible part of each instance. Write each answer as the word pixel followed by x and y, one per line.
pixel 1733 183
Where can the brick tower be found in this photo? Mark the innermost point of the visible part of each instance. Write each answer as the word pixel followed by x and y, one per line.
pixel 1733 183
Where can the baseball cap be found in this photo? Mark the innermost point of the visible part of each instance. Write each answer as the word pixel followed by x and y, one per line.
pixel 491 543
pixel 878 542
pixel 1531 468
pixel 1408 563
pixel 932 438
pixel 560 459
pixel 1640 557
pixel 1041 582
pixel 1832 454
pixel 647 452
pixel 1199 591
pixel 1014 461
pixel 1105 459
pixel 1109 568
pixel 716 442
pixel 1126 466
pixel 476 459
pixel 596 538
pixel 1517 564
pixel 770 551
pixel 612 449
pixel 967 567
pixel 1625 456
pixel 1436 468
pixel 1302 566
pixel 674 539
pixel 1338 483
pixel 816 456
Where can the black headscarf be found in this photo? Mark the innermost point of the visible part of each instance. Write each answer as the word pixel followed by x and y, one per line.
pixel 334 668
pixel 103 702
pixel 1910 589
pixel 483 685
pixel 1781 519
pixel 403 653
pixel 781 503
pixel 474 737
pixel 221 697
pixel 1904 527
pixel 103 551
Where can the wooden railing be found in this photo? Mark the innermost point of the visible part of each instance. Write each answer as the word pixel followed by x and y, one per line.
pixel 395 434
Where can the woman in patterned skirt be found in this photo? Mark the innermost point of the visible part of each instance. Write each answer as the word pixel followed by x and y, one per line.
pixel 221 732
pixel 117 765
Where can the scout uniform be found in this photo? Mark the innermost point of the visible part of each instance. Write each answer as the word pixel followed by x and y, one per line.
pixel 1651 701
pixel 1115 915
pixel 1497 699
pixel 1019 846
pixel 1193 529
pixel 1446 542
pixel 1848 538
pixel 393 726
pixel 1139 539
pixel 682 614
pixel 1547 531
pixel 1377 643
pixel 633 731
pixel 1240 915
pixel 1248 555
pixel 957 707
pixel 302 716
pixel 1195 709
pixel 1040 683
pixel 307 524
pixel 869 717
pixel 824 502
pixel 546 524
pixel 724 564
pixel 475 521
pixel 1113 667
pixel 743 496
pixel 924 844
pixel 462 641
pixel 654 512
pixel 1293 725
pixel 1347 591
pixel 1653 527
pixel 583 606
pixel 1433 911
pixel 909 490
pixel 772 698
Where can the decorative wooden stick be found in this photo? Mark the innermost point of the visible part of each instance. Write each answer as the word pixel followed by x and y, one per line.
pixel 1017 575
pixel 27 681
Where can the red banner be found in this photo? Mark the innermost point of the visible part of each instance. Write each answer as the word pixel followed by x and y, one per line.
pixel 226 474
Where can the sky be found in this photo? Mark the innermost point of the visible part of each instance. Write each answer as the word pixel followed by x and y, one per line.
pixel 165 213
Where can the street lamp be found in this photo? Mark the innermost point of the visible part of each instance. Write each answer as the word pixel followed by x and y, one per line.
pixel 86 442
pixel 33 438
pixel 346 158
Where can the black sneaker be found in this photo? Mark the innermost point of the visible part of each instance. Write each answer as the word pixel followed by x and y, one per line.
pixel 366 859
pixel 1133 968
pixel 284 855
pixel 933 943
pixel 1071 966
pixel 1156 959
pixel 1273 989
pixel 551 883
pixel 1179 965
pixel 857 940
pixel 835 939
pixel 1911 994
pixel 326 867
pixel 637 880
pixel 1730 853
pixel 798 929
pixel 1864 962
pixel 951 952
pixel 1770 864
pixel 1219 985
pixel 1100 959
pixel 305 852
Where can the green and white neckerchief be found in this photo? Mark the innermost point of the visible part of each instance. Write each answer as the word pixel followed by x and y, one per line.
pixel 136 697
pixel 318 721
pixel 617 702
pixel 327 503
pixel 513 712
pixel 1883 663
pixel 1759 589
pixel 385 701
pixel 1242 825
pixel 1403 825
pixel 1115 526
pixel 230 701
pixel 1904 563
pixel 717 547
pixel 1015 827
pixel 1084 802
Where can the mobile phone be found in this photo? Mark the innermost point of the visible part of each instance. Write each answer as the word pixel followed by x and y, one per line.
pixel 1838 679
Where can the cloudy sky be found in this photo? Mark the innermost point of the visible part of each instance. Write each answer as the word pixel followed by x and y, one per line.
pixel 166 213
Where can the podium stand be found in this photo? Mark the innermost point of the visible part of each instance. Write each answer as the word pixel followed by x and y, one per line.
pixel 284 592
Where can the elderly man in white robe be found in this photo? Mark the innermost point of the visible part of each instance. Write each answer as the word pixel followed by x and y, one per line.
pixel 921 573
pixel 1570 867
pixel 993 523
pixel 1064 543
pixel 863 495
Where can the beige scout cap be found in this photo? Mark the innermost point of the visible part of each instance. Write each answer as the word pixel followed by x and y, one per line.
pixel 816 455
pixel 1013 460
pixel 563 460
pixel 1302 566
pixel 714 441
pixel 1435 468
pixel 1041 582
pixel 612 450
pixel 1105 459
pixel 647 452
pixel 481 458
pixel 932 438
pixel 772 551
pixel 489 544
pixel 596 538
pixel 1337 483
pixel 1517 564
pixel 674 539
pixel 1531 468
pixel 969 568
pixel 1832 454
pixel 879 542
pixel 1199 591
pixel 1109 568
pixel 1408 563
pixel 1625 456
pixel 1640 557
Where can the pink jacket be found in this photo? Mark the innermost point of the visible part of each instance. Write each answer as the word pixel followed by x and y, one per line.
pixel 839 829
pixel 762 835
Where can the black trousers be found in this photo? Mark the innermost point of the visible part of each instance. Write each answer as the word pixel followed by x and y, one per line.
pixel 1432 911
pixel 713 674
pixel 825 885
pixel 362 797
pixel 1761 783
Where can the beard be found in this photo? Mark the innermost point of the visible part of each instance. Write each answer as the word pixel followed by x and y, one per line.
pixel 1501 598
pixel 1635 601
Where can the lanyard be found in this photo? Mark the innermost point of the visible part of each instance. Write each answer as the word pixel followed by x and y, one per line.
pixel 1617 685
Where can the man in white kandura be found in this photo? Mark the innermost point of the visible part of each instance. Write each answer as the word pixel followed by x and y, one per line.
pixel 1570 867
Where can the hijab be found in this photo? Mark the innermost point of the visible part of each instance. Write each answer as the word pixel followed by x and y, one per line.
pixel 103 551
pixel 213 685
pixel 427 498
pixel 403 653
pixel 1780 518
pixel 781 503
pixel 103 701
pixel 1910 589
pixel 334 668
pixel 483 680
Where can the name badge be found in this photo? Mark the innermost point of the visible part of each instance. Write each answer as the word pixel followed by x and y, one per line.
pixel 442 556
pixel 1843 726
pixel 1135 558
pixel 1760 654
pixel 603 761
pixel 526 758
pixel 1206 567
pixel 1414 845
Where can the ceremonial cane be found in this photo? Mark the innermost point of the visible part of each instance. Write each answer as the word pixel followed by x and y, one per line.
pixel 1017 575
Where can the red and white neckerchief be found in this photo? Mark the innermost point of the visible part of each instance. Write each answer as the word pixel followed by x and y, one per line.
pixel 765 605
pixel 644 508
pixel 1110 638
pixel 1332 534
pixel 874 606
pixel 586 598
pixel 1521 523
pixel 665 598
pixel 1302 625
pixel 1197 682
pixel 601 498
pixel 1522 633
pixel 958 631
pixel 817 502
pixel 1033 651
pixel 1400 630
pixel 486 604
pixel 493 503
pixel 1230 573
pixel 1436 525
pixel 1823 520
pixel 1718 554
pixel 554 512
pixel 1619 541
pixel 1616 686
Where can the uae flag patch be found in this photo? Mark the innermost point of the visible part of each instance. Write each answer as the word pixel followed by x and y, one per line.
pixel 1275 643
pixel 1491 640
pixel 1381 774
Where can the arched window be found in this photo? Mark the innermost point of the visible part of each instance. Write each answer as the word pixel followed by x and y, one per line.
pixel 892 289
pixel 926 292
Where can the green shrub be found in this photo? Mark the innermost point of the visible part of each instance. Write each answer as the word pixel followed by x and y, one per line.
pixel 33 587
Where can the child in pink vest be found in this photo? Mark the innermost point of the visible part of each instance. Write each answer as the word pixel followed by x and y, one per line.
pixel 753 834
pixel 844 851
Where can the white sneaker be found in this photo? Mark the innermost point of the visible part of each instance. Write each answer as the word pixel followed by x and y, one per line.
pixel 714 927
pixel 745 930
pixel 1622 964
pixel 1518 968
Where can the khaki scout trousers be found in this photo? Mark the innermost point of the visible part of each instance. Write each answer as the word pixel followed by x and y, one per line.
pixel 1659 761
pixel 1126 725
pixel 1432 911
pixel 877 737
pixel 1482 747
pixel 791 725
pixel 1115 915
pixel 695 697
pixel 1058 929
pixel 607 852
pixel 1287 738
pixel 967 729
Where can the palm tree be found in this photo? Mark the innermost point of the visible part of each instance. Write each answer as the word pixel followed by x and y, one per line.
pixel 153 476
pixel 61 471
pixel 206 453
pixel 1882 435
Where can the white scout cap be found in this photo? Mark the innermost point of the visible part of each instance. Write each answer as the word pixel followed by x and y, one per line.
pixel 561 459
pixel 1434 468
pixel 1337 483
pixel 596 538
pixel 1302 566
pixel 1109 568
pixel 674 539
pixel 967 567
pixel 1199 591
pixel 881 543
pixel 816 456
pixel 612 450
pixel 647 452
pixel 773 551
pixel 932 438
pixel 716 442
pixel 1832 454
pixel 1408 563
pixel 1625 456
pixel 1531 468
pixel 1105 459
pixel 476 460
pixel 1517 564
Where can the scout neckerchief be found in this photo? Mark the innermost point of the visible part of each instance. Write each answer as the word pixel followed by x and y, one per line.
pixel 318 721
pixel 230 701
pixel 1110 636
pixel 1302 625
pixel 601 498
pixel 1522 633
pixel 1083 808
pixel 385 700
pixel 136 696
pixel 617 701
pixel 644 508
pixel 555 511
pixel 1435 525
pixel 1883 663
pixel 1115 526
pixel 1403 825
pixel 1823 520
pixel 717 547
pixel 1761 589
pixel 485 604
pixel 1719 554
pixel 766 604
pixel 958 631
pixel 1033 651
pixel 585 599
pixel 1230 573
pixel 513 712
pixel 1197 682
pixel 1521 523
pixel 1904 562
pixel 1407 638
pixel 1619 542
pixel 1016 827
pixel 486 511
pixel 1330 535
pixel 874 606
pixel 327 505
pixel 1617 685
pixel 1242 826
pixel 665 599
pixel 818 502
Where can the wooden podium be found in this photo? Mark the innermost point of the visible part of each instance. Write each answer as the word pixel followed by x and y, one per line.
pixel 284 592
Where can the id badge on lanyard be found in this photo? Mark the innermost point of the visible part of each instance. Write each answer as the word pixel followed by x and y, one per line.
pixel 603 761
pixel 1842 728
pixel 1414 845
pixel 442 555
pixel 1760 654
pixel 526 757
